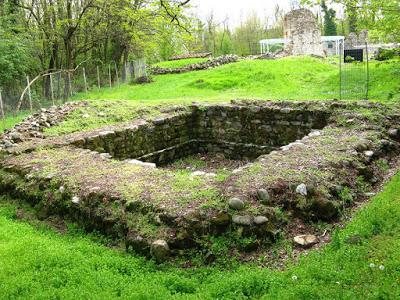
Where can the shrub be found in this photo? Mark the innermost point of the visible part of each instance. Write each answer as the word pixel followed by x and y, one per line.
pixel 386 54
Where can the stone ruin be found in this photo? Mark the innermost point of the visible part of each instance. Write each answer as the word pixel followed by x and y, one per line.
pixel 303 33
pixel 210 63
pixel 303 155
pixel 353 40
pixel 191 55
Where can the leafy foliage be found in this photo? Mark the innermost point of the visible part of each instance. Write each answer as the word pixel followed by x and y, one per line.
pixel 329 20
pixel 381 18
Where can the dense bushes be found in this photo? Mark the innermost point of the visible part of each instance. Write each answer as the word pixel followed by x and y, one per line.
pixel 386 54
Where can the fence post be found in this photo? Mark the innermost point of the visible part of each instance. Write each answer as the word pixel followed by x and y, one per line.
pixel 367 58
pixel 123 75
pixel 59 85
pixel 340 73
pixel 116 72
pixel 126 71
pixel 98 77
pixel 109 75
pixel 84 79
pixel 131 72
pixel 29 92
pixel 3 116
pixel 69 84
pixel 51 88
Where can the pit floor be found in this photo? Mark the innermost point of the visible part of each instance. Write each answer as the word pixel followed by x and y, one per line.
pixel 206 162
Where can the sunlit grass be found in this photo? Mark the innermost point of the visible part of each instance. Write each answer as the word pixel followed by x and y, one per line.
pixel 294 78
pixel 11 119
pixel 37 263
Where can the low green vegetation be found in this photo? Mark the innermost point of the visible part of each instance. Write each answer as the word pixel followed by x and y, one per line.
pixel 293 78
pixel 11 120
pixel 103 113
pixel 180 62
pixel 361 262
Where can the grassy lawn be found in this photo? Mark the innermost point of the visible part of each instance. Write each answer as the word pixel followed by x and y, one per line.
pixel 180 62
pixel 296 78
pixel 291 78
pixel 11 120
pixel 38 263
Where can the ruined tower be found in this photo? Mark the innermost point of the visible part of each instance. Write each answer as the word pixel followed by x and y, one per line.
pixel 302 32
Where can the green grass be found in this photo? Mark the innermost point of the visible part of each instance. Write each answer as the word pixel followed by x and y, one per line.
pixel 180 62
pixel 102 114
pixel 11 120
pixel 295 78
pixel 38 263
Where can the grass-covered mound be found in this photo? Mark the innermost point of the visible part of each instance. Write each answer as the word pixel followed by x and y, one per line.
pixel 293 78
pixel 39 263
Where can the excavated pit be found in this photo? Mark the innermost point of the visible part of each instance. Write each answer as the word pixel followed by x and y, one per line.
pixel 73 177
pixel 235 133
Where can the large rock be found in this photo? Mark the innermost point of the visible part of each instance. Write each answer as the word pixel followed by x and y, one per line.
pixel 263 196
pixel 160 250
pixel 236 203
pixel 324 209
pixel 301 189
pixel 242 220
pixel 16 137
pixel 306 240
pixel 394 133
pixel 260 220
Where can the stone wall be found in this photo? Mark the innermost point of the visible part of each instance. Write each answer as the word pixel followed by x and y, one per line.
pixel 353 41
pixel 301 28
pixel 239 132
pixel 211 63
pixel 143 206
pixel 191 55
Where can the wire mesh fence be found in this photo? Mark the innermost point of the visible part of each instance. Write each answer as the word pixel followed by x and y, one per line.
pixel 354 73
pixel 57 87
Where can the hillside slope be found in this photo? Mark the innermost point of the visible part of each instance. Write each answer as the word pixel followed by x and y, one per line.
pixel 297 78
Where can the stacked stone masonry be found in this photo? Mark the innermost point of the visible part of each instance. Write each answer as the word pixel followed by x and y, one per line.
pixel 191 55
pixel 305 155
pixel 211 63
pixel 237 132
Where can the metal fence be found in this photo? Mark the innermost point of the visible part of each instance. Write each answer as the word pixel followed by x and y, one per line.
pixel 354 73
pixel 57 87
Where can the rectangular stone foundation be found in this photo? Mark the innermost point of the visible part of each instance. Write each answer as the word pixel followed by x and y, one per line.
pixel 237 132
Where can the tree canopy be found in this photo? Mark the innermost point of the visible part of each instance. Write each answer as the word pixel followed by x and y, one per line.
pixel 381 18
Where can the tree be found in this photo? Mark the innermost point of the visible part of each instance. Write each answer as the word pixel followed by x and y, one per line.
pixel 247 36
pixel 16 47
pixel 381 18
pixel 329 20
pixel 351 18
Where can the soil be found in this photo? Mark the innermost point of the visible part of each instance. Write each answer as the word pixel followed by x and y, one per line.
pixel 206 162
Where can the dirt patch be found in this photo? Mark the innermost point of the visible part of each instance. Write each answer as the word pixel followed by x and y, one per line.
pixel 206 162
